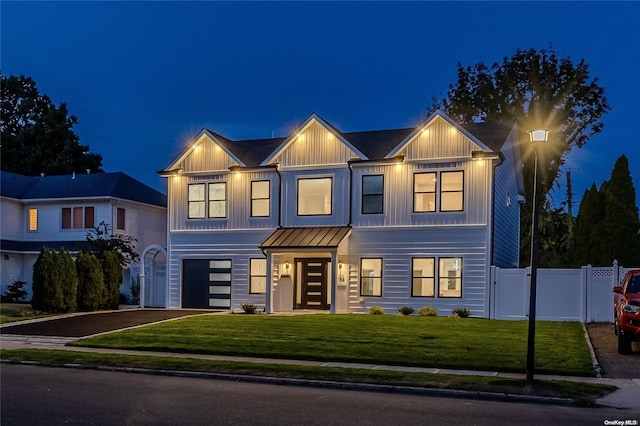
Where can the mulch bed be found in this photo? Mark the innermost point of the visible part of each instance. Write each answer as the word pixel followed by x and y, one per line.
pixel 94 323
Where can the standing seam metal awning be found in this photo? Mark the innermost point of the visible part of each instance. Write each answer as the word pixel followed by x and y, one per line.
pixel 304 238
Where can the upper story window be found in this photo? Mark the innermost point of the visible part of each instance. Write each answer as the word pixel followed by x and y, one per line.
pixel 260 198
pixel 450 188
pixel 78 217
pixel 197 201
pixel 372 194
pixel 120 218
pixel 33 219
pixel 314 196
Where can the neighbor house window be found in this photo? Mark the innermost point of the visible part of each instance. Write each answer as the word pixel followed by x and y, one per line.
pixel 371 277
pixel 424 192
pixel 450 277
pixel 260 198
pixel 258 276
pixel 33 219
pixel 218 199
pixel 120 218
pixel 372 194
pixel 423 276
pixel 78 217
pixel 196 201
pixel 451 191
pixel 314 196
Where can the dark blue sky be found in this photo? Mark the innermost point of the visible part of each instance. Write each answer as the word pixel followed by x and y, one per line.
pixel 143 77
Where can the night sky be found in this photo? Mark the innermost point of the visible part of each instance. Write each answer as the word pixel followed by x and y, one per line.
pixel 144 77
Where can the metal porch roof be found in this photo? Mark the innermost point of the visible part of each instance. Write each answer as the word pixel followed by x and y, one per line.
pixel 304 238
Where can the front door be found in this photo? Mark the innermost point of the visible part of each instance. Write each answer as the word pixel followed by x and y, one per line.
pixel 313 283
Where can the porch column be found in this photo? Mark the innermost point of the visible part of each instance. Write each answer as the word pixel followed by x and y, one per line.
pixel 334 280
pixel 268 308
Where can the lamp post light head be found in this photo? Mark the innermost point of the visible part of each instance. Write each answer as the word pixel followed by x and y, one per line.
pixel 538 135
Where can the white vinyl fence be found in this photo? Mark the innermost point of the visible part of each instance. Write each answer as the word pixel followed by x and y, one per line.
pixel 562 294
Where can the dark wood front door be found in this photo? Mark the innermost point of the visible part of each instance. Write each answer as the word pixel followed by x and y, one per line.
pixel 313 279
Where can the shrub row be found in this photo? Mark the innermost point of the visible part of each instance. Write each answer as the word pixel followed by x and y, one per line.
pixel 425 311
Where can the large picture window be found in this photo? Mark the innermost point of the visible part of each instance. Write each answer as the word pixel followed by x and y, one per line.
pixel 314 196
pixel 451 191
pixel 371 277
pixel 260 198
pixel 372 194
pixel 424 192
pixel 423 277
pixel 258 276
pixel 78 217
pixel 450 277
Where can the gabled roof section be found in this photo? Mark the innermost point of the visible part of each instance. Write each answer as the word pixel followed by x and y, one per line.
pixel 94 185
pixel 230 148
pixel 484 128
pixel 313 118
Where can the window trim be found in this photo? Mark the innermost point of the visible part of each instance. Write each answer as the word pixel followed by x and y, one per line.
pixel 83 213
pixel 298 195
pixel 121 225
pixel 438 192
pixel 209 200
pixel 434 277
pixel 251 275
pixel 360 278
pixel 268 198
pixel 190 201
pixel 435 192
pixel 363 194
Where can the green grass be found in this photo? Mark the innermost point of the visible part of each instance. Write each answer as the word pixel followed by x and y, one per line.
pixel 441 342
pixel 11 312
pixel 585 393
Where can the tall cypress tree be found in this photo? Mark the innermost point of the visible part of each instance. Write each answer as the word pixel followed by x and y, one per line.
pixel 587 231
pixel 68 281
pixel 620 238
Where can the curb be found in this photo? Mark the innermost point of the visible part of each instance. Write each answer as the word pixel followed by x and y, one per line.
pixel 328 384
pixel 592 352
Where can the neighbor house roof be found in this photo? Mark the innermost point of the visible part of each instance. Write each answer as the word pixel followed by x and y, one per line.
pixel 116 185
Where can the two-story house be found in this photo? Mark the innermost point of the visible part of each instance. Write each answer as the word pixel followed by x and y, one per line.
pixel 328 220
pixel 58 211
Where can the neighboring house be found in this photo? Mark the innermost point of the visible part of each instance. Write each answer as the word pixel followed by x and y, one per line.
pixel 58 211
pixel 336 221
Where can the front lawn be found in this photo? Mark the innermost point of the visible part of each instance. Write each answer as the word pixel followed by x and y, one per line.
pixel 10 312
pixel 441 342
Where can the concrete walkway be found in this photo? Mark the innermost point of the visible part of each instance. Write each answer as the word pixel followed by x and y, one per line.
pixel 626 397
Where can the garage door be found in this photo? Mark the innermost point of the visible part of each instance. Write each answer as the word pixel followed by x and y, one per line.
pixel 206 283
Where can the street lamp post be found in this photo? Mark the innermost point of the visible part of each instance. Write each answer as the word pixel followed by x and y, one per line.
pixel 535 137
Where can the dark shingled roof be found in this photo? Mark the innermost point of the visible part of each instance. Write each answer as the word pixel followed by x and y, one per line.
pixel 117 185
pixel 375 144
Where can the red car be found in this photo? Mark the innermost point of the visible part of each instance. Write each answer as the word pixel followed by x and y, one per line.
pixel 626 311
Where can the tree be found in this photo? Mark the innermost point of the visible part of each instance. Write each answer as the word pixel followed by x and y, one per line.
pixel 37 135
pixel 47 292
pixel 532 89
pixel 68 277
pixel 588 229
pixel 620 239
pixel 90 282
pixel 112 278
pixel 102 240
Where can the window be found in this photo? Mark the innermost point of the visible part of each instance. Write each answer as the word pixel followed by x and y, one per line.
pixel 314 196
pixel 78 217
pixel 33 219
pixel 450 275
pixel 372 194
pixel 423 277
pixel 450 188
pixel 260 198
pixel 197 202
pixel 451 192
pixel 218 199
pixel 120 218
pixel 371 277
pixel 258 276
pixel 424 192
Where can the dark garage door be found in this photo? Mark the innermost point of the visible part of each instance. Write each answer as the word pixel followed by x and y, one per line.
pixel 206 283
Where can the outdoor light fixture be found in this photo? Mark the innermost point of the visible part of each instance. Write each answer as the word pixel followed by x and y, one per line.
pixel 535 137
